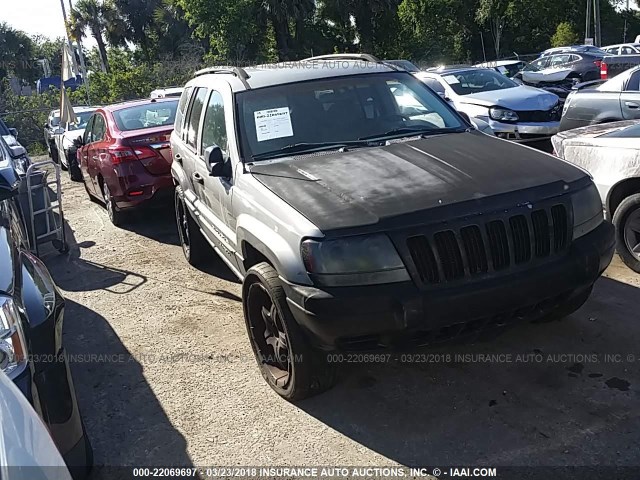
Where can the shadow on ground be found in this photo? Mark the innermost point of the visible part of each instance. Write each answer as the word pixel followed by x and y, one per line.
pixel 561 408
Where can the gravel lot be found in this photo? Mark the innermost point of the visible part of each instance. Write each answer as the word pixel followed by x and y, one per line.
pixel 174 382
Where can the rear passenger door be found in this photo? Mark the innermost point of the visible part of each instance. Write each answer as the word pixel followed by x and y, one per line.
pixel 187 154
pixel 630 98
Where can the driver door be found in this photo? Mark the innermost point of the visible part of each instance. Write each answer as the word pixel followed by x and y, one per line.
pixel 83 156
pixel 214 193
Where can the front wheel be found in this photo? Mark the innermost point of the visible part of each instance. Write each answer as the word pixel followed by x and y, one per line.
pixel 289 364
pixel 627 222
pixel 194 246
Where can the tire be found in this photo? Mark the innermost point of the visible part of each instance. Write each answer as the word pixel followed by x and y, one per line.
pixel 288 363
pixel 117 217
pixel 627 222
pixel 63 166
pixel 195 247
pixel 75 174
pixel 53 153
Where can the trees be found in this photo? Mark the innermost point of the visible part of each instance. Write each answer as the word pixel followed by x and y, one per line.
pixel 565 35
pixel 16 54
pixel 101 18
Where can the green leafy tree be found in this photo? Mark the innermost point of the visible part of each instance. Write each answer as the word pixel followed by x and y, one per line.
pixel 565 35
pixel 16 54
pixel 102 19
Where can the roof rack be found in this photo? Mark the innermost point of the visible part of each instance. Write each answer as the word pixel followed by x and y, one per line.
pixel 345 56
pixel 237 71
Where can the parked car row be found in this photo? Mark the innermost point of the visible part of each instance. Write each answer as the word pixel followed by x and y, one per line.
pixel 32 353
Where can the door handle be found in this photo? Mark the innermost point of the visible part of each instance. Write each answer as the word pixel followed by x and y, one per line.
pixel 178 158
pixel 198 178
pixel 632 105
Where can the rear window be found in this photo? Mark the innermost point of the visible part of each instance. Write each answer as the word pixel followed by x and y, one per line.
pixel 149 115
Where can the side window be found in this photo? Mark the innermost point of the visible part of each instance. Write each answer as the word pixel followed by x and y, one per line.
pixel 627 51
pixel 193 122
pixel 558 60
pixel 214 129
pixel 634 82
pixel 87 132
pixel 98 129
pixel 182 107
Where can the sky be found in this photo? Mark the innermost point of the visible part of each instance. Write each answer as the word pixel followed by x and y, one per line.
pixel 34 17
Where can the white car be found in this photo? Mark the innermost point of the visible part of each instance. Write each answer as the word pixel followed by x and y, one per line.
pixel 24 440
pixel 610 152
pixel 64 142
pixel 167 92
pixel 513 111
pixel 623 49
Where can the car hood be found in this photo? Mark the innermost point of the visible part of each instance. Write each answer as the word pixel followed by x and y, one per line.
pixel 395 184
pixel 516 98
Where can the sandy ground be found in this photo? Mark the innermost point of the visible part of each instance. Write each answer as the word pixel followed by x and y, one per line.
pixel 172 380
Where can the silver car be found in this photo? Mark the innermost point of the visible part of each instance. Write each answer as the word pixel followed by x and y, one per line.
pixel 513 111
pixel 362 212
pixel 611 153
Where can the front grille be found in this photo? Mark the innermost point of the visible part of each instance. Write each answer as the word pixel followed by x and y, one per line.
pixel 493 246
pixel 540 116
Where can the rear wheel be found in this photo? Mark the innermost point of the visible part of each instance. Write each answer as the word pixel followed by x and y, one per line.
pixel 75 173
pixel 194 246
pixel 117 217
pixel 289 364
pixel 627 222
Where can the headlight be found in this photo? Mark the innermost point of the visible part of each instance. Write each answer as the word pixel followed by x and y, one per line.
pixel 587 211
pixel 13 349
pixel 361 260
pixel 503 114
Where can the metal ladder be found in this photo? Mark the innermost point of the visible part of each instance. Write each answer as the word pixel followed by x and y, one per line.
pixel 39 187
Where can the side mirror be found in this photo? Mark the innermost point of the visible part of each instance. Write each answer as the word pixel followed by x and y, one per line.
pixel 8 183
pixel 58 131
pixel 77 142
pixel 13 132
pixel 465 116
pixel 215 161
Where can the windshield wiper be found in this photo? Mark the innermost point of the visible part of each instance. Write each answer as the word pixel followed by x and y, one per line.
pixel 413 131
pixel 297 148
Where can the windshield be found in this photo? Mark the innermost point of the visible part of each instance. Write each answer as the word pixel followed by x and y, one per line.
pixel 340 110
pixel 55 120
pixel 476 81
pixel 83 118
pixel 148 115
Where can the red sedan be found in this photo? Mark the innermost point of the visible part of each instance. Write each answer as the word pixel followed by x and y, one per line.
pixel 124 154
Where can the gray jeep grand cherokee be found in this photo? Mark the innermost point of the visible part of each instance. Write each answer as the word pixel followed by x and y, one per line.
pixel 363 212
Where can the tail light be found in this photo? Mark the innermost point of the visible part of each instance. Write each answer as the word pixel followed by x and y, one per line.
pixel 604 70
pixel 125 154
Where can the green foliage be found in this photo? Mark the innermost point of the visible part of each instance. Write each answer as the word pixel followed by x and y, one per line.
pixel 565 35
pixel 16 54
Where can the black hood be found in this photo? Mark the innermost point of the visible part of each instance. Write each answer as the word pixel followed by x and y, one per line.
pixel 343 190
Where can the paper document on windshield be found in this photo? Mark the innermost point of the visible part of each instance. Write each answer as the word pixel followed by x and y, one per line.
pixel 273 123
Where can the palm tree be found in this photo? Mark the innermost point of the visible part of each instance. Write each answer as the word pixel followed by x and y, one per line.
pixel 100 18
pixel 281 13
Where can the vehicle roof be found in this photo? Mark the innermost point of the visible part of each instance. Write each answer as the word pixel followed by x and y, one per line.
pixel 450 70
pixel 498 63
pixel 632 44
pixel 85 109
pixel 132 103
pixel 269 75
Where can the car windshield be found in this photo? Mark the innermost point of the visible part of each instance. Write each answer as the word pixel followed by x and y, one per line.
pixel 81 124
pixel 340 110
pixel 55 120
pixel 148 115
pixel 478 80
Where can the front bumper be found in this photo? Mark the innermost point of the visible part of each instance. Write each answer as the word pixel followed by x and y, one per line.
pixel 523 132
pixel 364 318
